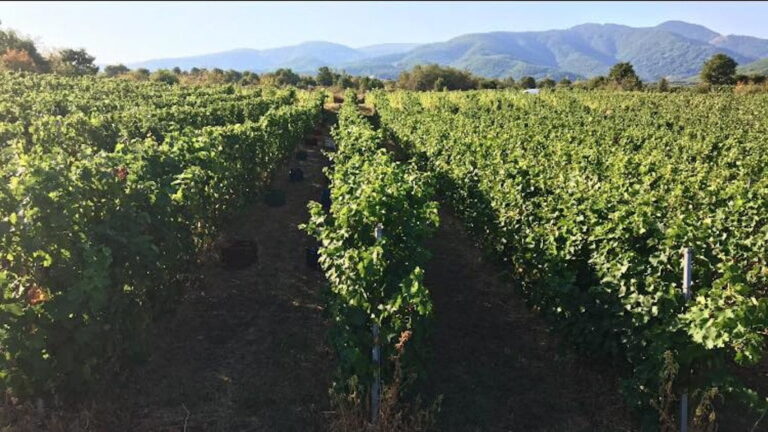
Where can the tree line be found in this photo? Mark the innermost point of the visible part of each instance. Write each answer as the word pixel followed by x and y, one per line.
pixel 18 53
pixel 719 70
pixel 325 77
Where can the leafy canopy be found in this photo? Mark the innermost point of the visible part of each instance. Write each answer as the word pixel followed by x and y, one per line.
pixel 719 70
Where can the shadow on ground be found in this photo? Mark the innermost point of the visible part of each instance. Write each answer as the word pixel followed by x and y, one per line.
pixel 495 363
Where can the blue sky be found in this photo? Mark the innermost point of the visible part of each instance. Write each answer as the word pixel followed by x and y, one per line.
pixel 133 31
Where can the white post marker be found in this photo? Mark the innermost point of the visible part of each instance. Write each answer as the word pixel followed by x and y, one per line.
pixel 376 354
pixel 687 277
pixel 376 385
pixel 684 413
pixel 687 272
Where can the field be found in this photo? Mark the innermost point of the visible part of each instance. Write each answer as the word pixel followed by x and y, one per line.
pixel 516 258
pixel 590 198
pixel 109 191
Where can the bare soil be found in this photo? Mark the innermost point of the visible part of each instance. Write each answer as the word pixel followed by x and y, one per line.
pixel 496 364
pixel 247 350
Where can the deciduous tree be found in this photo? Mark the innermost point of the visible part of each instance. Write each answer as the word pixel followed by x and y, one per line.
pixel 73 62
pixel 623 74
pixel 527 82
pixel 719 70
pixel 115 70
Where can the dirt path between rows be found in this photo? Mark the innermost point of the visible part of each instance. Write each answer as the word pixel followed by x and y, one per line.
pixel 496 364
pixel 247 350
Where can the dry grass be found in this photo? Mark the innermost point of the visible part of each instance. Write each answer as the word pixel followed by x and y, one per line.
pixel 332 106
pixel 351 413
pixel 704 417
pixel 29 417
pixel 366 110
pixel 750 88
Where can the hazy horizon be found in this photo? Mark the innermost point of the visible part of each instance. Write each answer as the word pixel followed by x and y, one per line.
pixel 117 32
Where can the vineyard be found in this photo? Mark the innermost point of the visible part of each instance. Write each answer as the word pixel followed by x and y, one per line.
pixel 109 190
pixel 580 203
pixel 376 279
pixel 590 199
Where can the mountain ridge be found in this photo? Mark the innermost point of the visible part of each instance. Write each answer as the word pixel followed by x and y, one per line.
pixel 672 49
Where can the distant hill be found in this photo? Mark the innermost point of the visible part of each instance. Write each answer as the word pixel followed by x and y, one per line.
pixel 305 57
pixel 691 31
pixel 747 46
pixel 758 67
pixel 674 49
pixel 386 49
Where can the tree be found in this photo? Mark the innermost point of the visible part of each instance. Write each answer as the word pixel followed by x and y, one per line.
pixel 287 77
pixel 232 76
pixel 280 77
pixel 140 74
pixel 176 70
pixel 596 82
pixel 485 83
pixel 115 70
pixel 423 78
pixel 249 78
pixel 18 61
pixel 369 83
pixel 623 74
pixel 527 82
pixel 72 62
pixel 663 85
pixel 344 81
pixel 719 70
pixel 440 85
pixel 325 77
pixel 546 83
pixel 10 40
pixel 164 76
pixel 741 79
pixel 565 82
pixel 307 81
pixel 283 77
pixel 508 82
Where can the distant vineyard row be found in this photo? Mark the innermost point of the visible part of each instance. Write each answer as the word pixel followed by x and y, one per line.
pixel 108 189
pixel 590 197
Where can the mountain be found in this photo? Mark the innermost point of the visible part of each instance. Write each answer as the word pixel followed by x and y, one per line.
pixel 386 49
pixel 673 49
pixel 691 31
pixel 305 57
pixel 758 67
pixel 746 45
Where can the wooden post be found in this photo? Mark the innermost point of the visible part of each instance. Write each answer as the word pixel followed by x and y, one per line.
pixel 376 354
pixel 687 277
